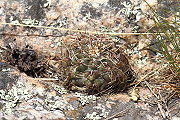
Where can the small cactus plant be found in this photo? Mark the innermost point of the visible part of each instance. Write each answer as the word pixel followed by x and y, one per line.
pixel 98 65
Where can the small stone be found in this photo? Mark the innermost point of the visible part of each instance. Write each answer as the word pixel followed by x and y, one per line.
pixel 52 45
pixel 52 15
pixel 14 5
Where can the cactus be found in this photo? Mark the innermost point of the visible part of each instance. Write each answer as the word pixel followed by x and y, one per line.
pixel 98 65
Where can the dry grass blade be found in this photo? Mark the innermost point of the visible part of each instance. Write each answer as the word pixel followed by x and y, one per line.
pixel 161 103
pixel 167 44
pixel 148 75
pixel 71 30
pixel 119 114
pixel 46 79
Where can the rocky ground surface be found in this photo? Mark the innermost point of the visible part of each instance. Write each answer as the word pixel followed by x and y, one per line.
pixel 24 95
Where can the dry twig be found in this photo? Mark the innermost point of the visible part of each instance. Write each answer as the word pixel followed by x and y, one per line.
pixel 119 114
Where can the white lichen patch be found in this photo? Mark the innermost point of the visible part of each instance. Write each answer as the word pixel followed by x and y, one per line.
pixel 48 3
pixel 6 70
pixel 30 22
pixel 10 98
pixel 130 10
pixel 60 21
pixel 93 116
pixel 61 104
pixel 15 22
pixel 133 51
pixel 142 62
pixel 103 110
pixel 59 89
pixel 127 8
pixel 24 21
pixel 85 99
pixel 103 113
